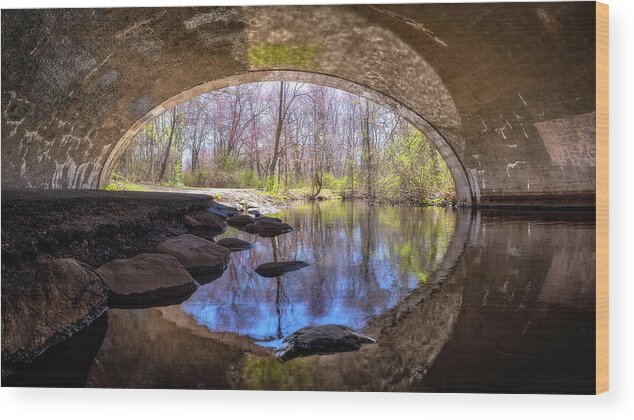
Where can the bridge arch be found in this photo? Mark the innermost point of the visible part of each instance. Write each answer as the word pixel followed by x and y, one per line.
pixel 505 91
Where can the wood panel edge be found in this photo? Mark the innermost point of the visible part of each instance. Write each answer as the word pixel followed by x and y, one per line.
pixel 602 198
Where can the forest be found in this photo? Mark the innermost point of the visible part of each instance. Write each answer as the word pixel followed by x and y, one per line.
pixel 283 136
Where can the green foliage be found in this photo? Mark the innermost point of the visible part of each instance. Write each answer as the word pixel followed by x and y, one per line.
pixel 279 196
pixel 267 54
pixel 224 172
pixel 248 178
pixel 273 185
pixel 126 186
pixel 416 173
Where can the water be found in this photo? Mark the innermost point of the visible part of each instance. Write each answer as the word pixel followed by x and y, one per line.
pixel 458 301
pixel 363 262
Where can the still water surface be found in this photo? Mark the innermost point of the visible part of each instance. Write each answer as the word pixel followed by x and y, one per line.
pixel 458 301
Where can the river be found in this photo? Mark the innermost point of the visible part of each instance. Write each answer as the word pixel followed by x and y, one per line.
pixel 457 300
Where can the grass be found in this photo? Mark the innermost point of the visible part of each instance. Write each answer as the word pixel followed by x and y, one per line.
pixel 280 196
pixel 307 192
pixel 126 186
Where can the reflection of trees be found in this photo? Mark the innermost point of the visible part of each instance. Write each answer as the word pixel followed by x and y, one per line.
pixel 364 261
pixel 321 243
pixel 280 296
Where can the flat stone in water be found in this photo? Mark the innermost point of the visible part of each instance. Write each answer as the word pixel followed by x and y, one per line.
pixel 223 211
pixel 322 339
pixel 146 280
pixel 240 221
pixel 204 259
pixel 235 244
pixel 274 269
pixel 209 225
pixel 268 227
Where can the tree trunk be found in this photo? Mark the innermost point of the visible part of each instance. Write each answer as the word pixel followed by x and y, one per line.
pixel 169 145
pixel 278 131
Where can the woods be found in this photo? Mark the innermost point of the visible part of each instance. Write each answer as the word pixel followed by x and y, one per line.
pixel 282 136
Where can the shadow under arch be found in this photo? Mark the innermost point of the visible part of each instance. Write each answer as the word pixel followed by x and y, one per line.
pixel 467 193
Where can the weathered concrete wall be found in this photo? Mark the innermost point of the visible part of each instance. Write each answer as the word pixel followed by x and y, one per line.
pixel 506 91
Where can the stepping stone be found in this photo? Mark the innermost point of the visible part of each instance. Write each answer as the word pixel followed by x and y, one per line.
pixel 223 211
pixel 323 339
pixel 274 269
pixel 147 280
pixel 240 221
pixel 205 260
pixel 235 244
pixel 268 227
pixel 209 225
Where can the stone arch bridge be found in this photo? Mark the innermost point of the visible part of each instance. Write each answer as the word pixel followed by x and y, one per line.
pixel 505 91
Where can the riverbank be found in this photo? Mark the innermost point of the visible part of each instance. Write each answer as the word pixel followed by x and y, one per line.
pixel 264 202
pixel 243 199
pixel 52 240
pixel 68 255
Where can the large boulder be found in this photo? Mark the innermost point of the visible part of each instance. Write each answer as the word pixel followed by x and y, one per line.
pixel 147 279
pixel 235 244
pixel 322 339
pixel 274 269
pixel 62 297
pixel 204 259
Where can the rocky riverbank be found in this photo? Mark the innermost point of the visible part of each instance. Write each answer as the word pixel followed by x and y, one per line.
pixel 246 200
pixel 52 242
pixel 69 255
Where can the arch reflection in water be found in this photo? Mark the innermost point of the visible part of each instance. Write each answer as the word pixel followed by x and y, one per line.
pixel 505 305
pixel 363 262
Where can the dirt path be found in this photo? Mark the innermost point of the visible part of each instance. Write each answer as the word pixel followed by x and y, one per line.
pixel 242 199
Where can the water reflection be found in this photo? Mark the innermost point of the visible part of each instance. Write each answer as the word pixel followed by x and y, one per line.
pixel 363 262
pixel 458 301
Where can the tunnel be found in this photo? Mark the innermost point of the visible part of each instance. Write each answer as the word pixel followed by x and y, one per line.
pixel 506 92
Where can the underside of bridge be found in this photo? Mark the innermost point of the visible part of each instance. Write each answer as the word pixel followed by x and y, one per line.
pixel 505 91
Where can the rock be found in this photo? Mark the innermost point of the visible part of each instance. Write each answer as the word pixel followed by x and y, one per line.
pixel 240 221
pixel 190 221
pixel 210 225
pixel 147 279
pixel 223 211
pixel 323 339
pixel 61 298
pixel 255 212
pixel 251 228
pixel 204 259
pixel 274 269
pixel 268 227
pixel 235 244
